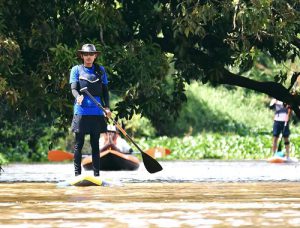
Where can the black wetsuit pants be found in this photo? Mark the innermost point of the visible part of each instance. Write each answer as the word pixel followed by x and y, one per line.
pixel 79 141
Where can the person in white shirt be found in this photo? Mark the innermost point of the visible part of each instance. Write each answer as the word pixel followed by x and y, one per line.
pixel 112 140
pixel 281 125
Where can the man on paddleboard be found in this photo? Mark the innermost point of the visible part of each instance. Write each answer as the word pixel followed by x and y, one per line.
pixel 88 118
pixel 281 125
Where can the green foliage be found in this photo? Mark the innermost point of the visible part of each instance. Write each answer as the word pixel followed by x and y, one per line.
pixel 3 160
pixel 38 42
pixel 213 146
pixel 10 68
pixel 233 34
pixel 144 67
pixel 3 85
pixel 219 146
pixel 29 140
pixel 139 126
pixel 220 110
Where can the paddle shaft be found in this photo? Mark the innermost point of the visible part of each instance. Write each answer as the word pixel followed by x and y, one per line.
pixel 150 163
pixel 115 122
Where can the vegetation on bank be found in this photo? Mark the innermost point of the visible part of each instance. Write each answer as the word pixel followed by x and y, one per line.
pixel 219 146
pixel 221 124
pixel 215 123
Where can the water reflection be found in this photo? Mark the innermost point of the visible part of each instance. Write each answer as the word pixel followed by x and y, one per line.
pixel 151 205
pixel 184 194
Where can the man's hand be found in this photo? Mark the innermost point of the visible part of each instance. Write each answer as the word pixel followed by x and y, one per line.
pixel 79 99
pixel 107 112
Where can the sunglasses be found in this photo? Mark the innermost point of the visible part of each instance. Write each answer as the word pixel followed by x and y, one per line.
pixel 88 54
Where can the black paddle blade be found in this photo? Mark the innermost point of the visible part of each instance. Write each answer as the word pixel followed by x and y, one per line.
pixel 151 164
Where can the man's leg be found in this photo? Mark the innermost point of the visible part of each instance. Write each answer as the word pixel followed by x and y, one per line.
pixel 287 147
pixel 274 146
pixel 94 138
pixel 79 141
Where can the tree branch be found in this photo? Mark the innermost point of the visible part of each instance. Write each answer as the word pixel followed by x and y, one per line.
pixel 272 89
pixel 296 42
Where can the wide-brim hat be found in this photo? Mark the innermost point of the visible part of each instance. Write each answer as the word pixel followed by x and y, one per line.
pixel 90 48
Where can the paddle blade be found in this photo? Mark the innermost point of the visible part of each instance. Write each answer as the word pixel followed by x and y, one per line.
pixel 151 164
pixel 59 155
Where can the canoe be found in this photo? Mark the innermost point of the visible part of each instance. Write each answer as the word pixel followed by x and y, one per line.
pixel 112 160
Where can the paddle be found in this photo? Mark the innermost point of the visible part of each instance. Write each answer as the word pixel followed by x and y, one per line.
pixel 151 165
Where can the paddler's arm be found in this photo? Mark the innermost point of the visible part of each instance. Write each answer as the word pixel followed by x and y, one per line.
pixel 78 97
pixel 105 96
pixel 272 103
pixel 106 100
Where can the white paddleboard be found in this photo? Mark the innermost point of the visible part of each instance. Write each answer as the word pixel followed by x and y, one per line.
pixel 277 159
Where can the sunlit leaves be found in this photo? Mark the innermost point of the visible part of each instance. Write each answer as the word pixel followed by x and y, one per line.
pixel 63 56
pixel 234 33
pixel 214 146
pixel 12 96
pixel 10 67
pixel 269 25
pixel 93 14
pixel 3 85
pixel 193 17
pixel 9 56
pixel 103 20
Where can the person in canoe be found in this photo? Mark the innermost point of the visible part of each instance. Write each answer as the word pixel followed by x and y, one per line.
pixel 88 118
pixel 281 125
pixel 112 140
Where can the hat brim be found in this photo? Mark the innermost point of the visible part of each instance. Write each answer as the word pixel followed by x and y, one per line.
pixel 79 52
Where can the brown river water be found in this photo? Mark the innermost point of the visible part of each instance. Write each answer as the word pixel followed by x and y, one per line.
pixel 184 194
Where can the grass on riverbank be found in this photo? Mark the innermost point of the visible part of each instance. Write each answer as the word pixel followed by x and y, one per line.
pixel 217 146
pixel 223 124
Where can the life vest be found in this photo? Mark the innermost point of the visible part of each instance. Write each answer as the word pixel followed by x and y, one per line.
pixel 93 81
pixel 281 112
pixel 279 108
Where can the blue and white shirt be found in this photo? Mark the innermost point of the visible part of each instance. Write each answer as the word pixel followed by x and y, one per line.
pixel 87 107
